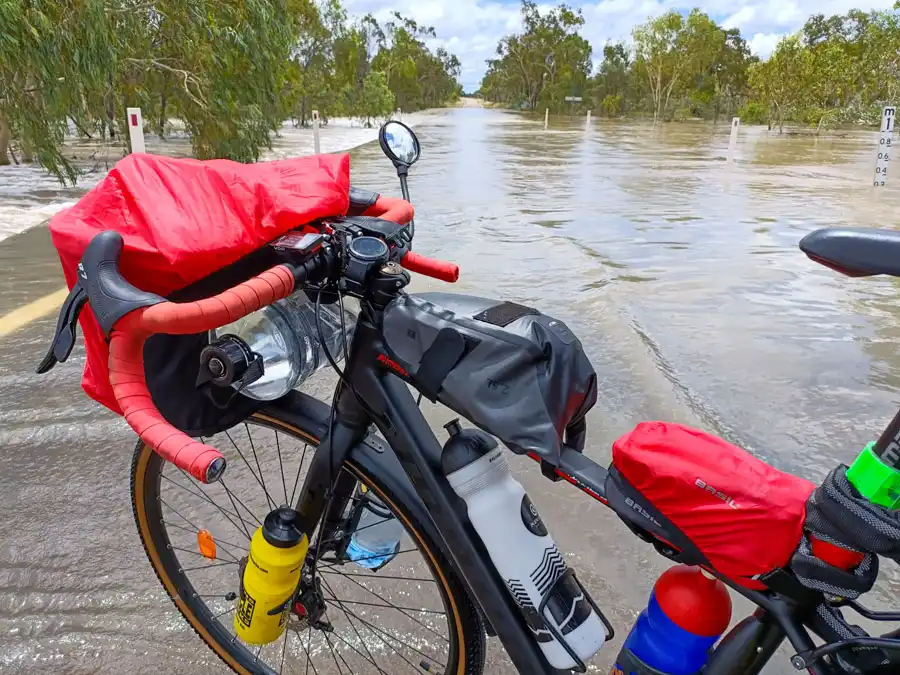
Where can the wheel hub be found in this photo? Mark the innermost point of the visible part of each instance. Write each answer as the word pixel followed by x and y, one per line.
pixel 309 607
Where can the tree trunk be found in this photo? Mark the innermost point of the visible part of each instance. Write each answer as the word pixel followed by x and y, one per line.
pixel 163 105
pixel 111 110
pixel 657 95
pixel 123 120
pixel 4 142
pixel 27 153
pixel 80 128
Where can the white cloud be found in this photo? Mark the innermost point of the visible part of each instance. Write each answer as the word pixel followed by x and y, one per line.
pixel 741 17
pixel 471 28
pixel 763 44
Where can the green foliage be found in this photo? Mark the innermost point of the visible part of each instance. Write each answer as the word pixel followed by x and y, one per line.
pixel 837 70
pixel 231 70
pixel 54 57
pixel 783 83
pixel 673 52
pixel 538 68
pixel 611 105
pixel 375 99
pixel 418 78
pixel 753 112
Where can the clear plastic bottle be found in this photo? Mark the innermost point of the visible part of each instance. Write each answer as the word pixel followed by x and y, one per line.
pixel 376 539
pixel 285 334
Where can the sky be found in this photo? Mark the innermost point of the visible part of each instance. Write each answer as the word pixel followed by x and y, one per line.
pixel 471 28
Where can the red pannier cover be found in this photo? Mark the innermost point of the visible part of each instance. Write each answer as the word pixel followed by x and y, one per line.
pixel 745 516
pixel 183 219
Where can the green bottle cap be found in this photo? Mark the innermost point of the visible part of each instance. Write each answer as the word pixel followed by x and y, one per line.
pixel 875 480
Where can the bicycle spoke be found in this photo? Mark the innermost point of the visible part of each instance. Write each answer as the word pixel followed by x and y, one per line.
pixel 335 561
pixel 243 524
pixel 397 607
pixel 240 549
pixel 206 567
pixel 367 658
pixel 287 634
pixel 331 569
pixel 333 654
pixel 359 637
pixel 299 469
pixel 249 468
pixel 187 550
pixel 356 531
pixel 205 497
pixel 172 508
pixel 379 634
pixel 306 651
pixel 238 500
pixel 262 478
pixel 281 466
pixel 426 627
pixel 223 613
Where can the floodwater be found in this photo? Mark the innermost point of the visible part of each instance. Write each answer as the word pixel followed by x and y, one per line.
pixel 679 272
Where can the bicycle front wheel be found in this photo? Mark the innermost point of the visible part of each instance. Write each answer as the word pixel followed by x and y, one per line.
pixel 409 615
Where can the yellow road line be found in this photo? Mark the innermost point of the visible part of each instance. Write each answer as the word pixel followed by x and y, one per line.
pixel 32 311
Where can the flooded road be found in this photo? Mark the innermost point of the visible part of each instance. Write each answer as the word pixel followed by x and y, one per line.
pixel 680 274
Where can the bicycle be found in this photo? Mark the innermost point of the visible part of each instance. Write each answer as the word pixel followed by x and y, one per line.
pixel 403 466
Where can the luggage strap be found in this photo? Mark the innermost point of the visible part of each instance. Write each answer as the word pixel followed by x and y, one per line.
pixel 836 513
pixel 448 349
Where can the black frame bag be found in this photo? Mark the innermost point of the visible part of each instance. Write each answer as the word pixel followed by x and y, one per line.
pixel 516 373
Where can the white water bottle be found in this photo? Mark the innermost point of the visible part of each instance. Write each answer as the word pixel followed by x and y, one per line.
pixel 520 547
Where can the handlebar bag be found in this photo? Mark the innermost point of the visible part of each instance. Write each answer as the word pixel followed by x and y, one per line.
pixel 191 229
pixel 516 373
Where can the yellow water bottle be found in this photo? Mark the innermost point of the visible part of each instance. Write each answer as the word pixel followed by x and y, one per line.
pixel 271 575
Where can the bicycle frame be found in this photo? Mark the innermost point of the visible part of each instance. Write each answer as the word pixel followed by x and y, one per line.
pixel 400 421
pixel 387 402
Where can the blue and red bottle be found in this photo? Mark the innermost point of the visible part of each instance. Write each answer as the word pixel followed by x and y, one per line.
pixel 688 612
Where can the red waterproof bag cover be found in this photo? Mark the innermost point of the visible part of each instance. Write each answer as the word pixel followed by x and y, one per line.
pixel 183 219
pixel 743 515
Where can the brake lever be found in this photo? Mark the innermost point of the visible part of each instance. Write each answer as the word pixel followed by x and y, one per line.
pixel 66 324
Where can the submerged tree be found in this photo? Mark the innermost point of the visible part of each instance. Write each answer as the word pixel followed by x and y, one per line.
pixel 673 52
pixel 837 69
pixel 548 61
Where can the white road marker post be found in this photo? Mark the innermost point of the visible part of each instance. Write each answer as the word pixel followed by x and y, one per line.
pixel 546 117
pixel 732 140
pixel 588 123
pixel 888 117
pixel 317 147
pixel 136 129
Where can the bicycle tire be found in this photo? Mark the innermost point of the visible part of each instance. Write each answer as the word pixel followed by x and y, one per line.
pixel 467 651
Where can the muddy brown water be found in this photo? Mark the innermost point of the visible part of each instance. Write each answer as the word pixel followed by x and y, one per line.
pixel 679 272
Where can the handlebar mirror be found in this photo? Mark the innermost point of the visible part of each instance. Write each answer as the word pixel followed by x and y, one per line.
pixel 399 143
